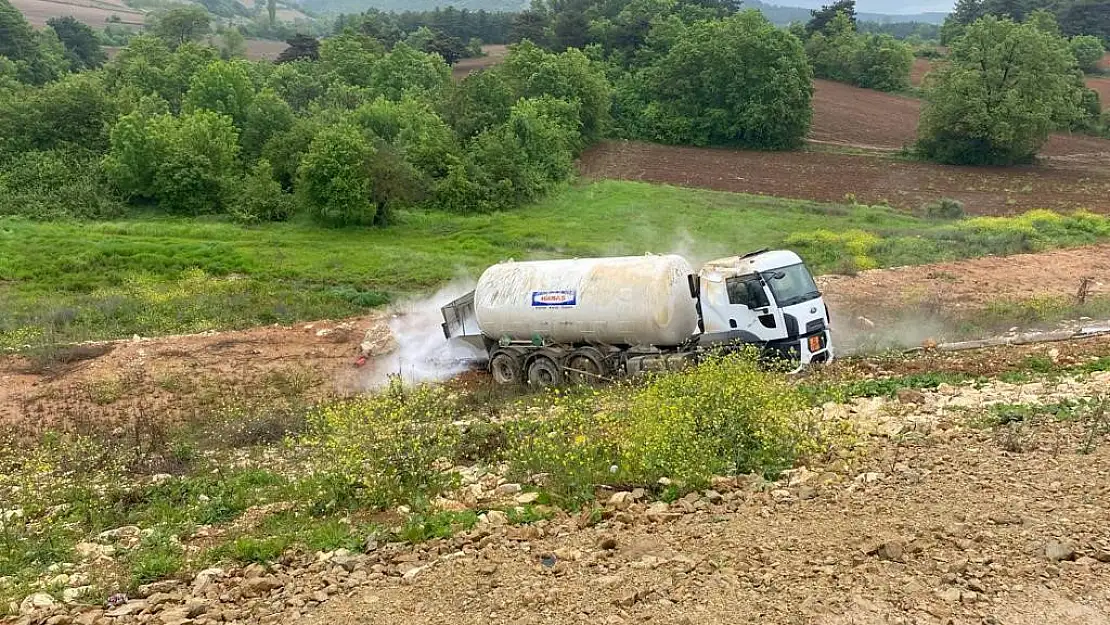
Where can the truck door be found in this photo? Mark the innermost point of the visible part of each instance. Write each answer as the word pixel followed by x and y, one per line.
pixel 751 308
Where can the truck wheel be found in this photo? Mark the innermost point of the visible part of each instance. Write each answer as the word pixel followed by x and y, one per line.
pixel 505 368
pixel 543 372
pixel 585 366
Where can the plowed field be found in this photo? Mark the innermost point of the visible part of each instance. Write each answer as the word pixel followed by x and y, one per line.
pixel 833 177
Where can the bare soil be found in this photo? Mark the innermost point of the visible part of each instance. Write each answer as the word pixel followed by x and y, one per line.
pixel 1061 184
pixel 95 13
pixel 264 49
pixel 921 67
pixel 112 382
pixel 952 530
pixel 971 284
pixel 494 55
pixel 1102 86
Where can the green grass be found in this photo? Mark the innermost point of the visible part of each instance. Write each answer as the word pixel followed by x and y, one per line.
pixel 68 281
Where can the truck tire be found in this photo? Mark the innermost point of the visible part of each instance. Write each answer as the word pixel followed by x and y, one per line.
pixel 586 366
pixel 544 372
pixel 506 368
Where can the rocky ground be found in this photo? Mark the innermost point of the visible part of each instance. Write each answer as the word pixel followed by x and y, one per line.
pixel 947 518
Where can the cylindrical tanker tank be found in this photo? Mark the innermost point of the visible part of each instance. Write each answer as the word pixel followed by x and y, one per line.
pixel 639 300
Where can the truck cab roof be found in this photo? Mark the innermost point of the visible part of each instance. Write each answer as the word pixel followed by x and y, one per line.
pixel 754 263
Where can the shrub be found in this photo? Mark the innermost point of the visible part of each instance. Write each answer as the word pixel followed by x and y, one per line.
pixel 260 198
pixel 882 63
pixel 390 445
pixel 56 184
pixel 1088 51
pixel 848 251
pixel 185 163
pixel 333 178
pixel 945 208
pixel 575 446
pixel 727 416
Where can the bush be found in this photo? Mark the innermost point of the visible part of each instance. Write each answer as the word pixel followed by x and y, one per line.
pixel 1088 51
pixel 945 208
pixel 187 164
pixel 530 153
pixel 260 198
pixel 56 184
pixel 390 445
pixel 882 63
pixel 727 416
pixel 334 182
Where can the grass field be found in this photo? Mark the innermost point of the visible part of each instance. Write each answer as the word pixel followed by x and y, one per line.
pixel 74 281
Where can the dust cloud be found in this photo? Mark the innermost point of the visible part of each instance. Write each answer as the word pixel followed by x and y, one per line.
pixel 422 354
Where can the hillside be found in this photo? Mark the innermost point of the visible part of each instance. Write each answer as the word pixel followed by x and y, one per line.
pixel 877 11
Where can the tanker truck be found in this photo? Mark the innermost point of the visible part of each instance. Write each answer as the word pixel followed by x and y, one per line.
pixel 551 322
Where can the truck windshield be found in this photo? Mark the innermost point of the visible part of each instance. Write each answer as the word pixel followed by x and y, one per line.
pixel 791 285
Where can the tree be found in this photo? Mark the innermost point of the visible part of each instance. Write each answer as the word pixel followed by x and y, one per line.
pixel 570 76
pixel 38 57
pixel 1088 51
pixel 72 112
pixel 17 38
pixel 530 26
pixel 333 181
pixel 223 87
pixel 1087 17
pixel 826 14
pixel 82 48
pixel 530 153
pixel 451 49
pixel 351 57
pixel 301 47
pixel 882 63
pixel 298 83
pixel 408 71
pixel 1005 88
pixel 266 117
pixel 419 135
pixel 271 12
pixel 232 44
pixel 181 24
pixel 571 29
pixel 833 50
pixel 187 164
pixel 738 81
pixel 478 102
pixel 260 198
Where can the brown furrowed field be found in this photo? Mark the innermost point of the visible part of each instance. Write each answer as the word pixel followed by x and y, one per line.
pixel 872 126
pixel 95 13
pixel 871 179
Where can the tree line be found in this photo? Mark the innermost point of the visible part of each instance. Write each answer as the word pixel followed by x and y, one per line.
pixel 351 128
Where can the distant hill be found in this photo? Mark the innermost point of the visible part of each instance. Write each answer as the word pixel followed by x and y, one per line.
pixel 883 11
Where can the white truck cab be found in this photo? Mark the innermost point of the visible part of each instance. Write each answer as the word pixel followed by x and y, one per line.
pixel 766 298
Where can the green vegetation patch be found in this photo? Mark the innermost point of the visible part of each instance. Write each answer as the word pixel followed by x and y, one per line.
pixel 73 281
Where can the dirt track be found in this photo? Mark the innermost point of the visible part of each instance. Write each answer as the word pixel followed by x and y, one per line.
pixel 168 373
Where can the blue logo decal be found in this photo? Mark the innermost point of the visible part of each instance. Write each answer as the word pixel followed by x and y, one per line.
pixel 562 299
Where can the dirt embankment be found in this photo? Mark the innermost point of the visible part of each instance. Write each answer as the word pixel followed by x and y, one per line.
pixel 113 381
